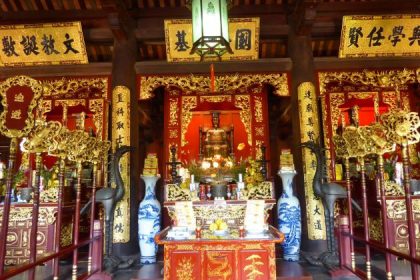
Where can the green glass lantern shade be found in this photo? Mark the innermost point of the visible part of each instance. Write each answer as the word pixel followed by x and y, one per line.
pixel 210 28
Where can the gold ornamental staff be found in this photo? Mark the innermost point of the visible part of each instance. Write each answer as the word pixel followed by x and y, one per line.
pixel 20 97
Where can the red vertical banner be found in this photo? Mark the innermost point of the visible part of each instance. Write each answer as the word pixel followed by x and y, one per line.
pixel 20 96
pixel 212 78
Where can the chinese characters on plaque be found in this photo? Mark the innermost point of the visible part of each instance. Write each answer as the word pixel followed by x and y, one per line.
pixel 309 131
pixel 243 35
pixel 19 96
pixel 371 36
pixel 42 44
pixel 120 137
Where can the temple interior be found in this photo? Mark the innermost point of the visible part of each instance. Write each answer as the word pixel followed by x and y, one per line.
pixel 209 139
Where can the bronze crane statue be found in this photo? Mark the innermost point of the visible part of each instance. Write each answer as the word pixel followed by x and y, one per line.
pixel 109 197
pixel 329 193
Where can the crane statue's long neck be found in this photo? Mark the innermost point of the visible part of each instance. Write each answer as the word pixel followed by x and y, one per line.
pixel 316 184
pixel 117 175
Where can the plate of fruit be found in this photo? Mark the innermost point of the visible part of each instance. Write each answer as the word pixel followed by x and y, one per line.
pixel 219 227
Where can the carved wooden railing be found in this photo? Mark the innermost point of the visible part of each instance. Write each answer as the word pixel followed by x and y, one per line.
pixel 396 127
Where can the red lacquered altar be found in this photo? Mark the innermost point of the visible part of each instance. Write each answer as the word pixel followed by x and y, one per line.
pixel 221 257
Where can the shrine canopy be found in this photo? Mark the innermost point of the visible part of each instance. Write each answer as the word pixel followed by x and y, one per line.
pixel 366 110
pixel 243 116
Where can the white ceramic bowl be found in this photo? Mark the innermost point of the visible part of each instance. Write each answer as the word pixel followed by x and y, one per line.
pixel 220 232
pixel 254 230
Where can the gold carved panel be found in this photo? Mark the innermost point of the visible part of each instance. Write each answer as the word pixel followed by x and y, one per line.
pixel 37 91
pixel 226 83
pixel 188 103
pixel 184 269
pixel 390 78
pixel 173 111
pixel 69 88
pixel 173 133
pixel 98 109
pixel 44 107
pixel 215 98
pixel 259 131
pixel 258 109
pixel 243 102
pixel 22 214
pixel 336 100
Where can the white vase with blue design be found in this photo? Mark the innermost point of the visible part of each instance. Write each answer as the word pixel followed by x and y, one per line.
pixel 289 219
pixel 149 221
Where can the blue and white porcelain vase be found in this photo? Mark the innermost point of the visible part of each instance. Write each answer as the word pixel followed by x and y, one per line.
pixel 149 221
pixel 289 220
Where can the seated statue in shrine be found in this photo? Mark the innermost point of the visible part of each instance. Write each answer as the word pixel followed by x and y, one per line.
pixel 215 141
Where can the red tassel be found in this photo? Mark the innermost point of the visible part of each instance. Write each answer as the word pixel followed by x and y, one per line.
pixel 212 77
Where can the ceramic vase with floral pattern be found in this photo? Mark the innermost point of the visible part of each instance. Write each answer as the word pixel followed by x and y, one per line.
pixel 289 219
pixel 149 221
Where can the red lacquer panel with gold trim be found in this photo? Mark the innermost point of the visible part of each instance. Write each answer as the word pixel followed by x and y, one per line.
pixel 254 264
pixel 185 265
pixel 220 258
pixel 217 264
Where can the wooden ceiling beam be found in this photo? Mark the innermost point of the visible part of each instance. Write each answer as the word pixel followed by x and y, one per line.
pixel 59 70
pixel 302 19
pixel 42 16
pixel 329 16
pixel 100 25
pixel 236 11
pixel 278 13
pixel 324 21
pixel 337 9
pixel 20 17
pixel 118 27
pixel 156 33
pixel 120 21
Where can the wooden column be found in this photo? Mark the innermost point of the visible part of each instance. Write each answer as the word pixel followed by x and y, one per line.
pixel 124 74
pixel 300 52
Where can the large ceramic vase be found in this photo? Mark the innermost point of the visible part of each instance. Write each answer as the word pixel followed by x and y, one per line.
pixel 149 221
pixel 289 220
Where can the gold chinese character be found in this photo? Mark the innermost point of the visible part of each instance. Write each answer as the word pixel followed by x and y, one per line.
pixel 16 114
pixel 19 97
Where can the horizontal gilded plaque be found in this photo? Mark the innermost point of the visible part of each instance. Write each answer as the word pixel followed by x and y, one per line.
pixel 244 36
pixel 374 36
pixel 42 44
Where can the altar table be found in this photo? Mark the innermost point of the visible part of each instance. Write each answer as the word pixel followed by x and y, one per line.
pixel 221 257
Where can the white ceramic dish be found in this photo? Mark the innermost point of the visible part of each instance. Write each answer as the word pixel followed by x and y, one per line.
pixel 220 232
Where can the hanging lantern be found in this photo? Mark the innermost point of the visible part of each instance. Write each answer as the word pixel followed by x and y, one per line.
pixel 210 28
